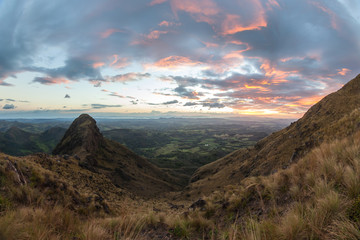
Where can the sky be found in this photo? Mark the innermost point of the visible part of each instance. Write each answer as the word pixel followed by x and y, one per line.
pixel 241 57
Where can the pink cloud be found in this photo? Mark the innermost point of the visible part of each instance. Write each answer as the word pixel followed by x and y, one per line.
pixel 155 2
pixel 109 32
pixel 332 15
pixel 119 62
pixel 200 10
pixel 174 62
pixel 50 80
pixel 155 34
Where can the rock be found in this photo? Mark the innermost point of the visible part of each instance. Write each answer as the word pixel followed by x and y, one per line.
pixel 198 204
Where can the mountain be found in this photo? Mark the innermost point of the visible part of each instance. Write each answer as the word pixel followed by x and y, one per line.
pixel 98 154
pixel 335 116
pixel 18 142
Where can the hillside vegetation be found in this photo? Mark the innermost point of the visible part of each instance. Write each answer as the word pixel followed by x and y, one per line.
pixel 328 119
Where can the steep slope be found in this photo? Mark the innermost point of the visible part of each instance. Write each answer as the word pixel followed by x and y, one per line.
pixel 127 170
pixel 336 115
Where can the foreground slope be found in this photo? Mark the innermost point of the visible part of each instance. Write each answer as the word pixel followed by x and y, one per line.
pixel 334 116
pixel 84 141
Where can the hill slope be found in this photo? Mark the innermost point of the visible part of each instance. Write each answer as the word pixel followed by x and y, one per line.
pixel 335 115
pixel 18 142
pixel 126 169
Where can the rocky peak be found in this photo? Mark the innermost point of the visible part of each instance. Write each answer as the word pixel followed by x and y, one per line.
pixel 82 138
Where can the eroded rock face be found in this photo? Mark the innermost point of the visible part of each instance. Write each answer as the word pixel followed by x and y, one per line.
pixel 83 138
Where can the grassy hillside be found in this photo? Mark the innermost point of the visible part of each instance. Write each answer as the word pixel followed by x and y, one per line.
pixel 18 142
pixel 316 198
pixel 336 115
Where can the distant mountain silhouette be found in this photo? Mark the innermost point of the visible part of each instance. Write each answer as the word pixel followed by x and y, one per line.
pixel 96 153
pixel 335 116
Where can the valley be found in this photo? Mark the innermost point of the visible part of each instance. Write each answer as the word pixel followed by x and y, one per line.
pixel 177 145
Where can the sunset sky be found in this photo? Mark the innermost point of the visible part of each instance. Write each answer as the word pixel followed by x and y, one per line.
pixel 117 57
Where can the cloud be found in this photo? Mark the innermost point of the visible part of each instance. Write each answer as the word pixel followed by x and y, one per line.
pixel 165 103
pixel 250 53
pixel 100 106
pixel 67 96
pixel 188 104
pixel 170 102
pixel 213 105
pixel 128 77
pixel 9 106
pixel 50 80
pixel 115 94
pixel 183 92
pixel 10 100
pixel 174 62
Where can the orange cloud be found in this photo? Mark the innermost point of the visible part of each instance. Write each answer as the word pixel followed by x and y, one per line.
pixel 263 89
pixel 200 10
pixel 98 64
pixel 206 7
pixel 174 62
pixel 109 32
pixel 309 100
pixel 234 24
pixel 277 76
pixel 343 71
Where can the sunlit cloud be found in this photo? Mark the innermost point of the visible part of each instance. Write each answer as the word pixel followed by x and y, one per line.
pixel 128 77
pixel 343 71
pixel 174 62
pixel 50 80
pixel 109 32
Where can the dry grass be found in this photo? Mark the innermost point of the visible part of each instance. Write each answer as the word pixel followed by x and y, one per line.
pixel 316 198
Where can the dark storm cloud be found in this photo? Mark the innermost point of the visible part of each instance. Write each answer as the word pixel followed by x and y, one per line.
pixel 8 106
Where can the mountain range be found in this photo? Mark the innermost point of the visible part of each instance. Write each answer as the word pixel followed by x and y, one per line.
pixel 301 182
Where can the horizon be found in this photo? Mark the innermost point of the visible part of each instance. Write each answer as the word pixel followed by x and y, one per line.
pixel 165 58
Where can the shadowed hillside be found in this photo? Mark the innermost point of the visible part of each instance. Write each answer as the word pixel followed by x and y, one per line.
pixel 17 142
pixel 335 115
